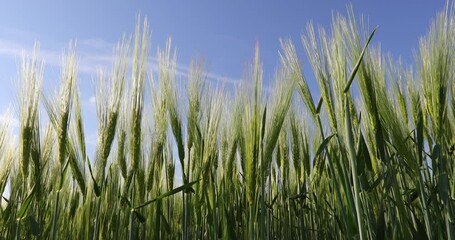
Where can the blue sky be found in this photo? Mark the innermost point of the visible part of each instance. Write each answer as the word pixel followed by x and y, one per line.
pixel 223 33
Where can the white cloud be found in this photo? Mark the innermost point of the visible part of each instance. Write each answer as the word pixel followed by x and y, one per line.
pixel 90 58
pixel 97 43
pixel 10 48
pixel 87 63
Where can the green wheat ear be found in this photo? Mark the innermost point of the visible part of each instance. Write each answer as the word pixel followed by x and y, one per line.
pixel 281 104
pixel 290 61
pixel 31 75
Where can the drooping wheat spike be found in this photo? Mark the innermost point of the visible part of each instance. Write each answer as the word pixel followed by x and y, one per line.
pixel 281 103
pixel 79 124
pixel 76 148
pixel 76 161
pixel 290 60
pixel 30 75
pixel 320 63
pixel 68 80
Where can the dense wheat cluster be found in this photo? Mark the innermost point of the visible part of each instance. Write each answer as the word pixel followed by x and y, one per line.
pixel 374 161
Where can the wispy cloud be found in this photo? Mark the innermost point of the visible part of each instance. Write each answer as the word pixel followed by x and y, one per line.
pixel 10 48
pixel 97 43
pixel 184 71
pixel 53 58
pixel 93 54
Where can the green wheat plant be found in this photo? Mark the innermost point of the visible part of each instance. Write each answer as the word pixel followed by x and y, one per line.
pixel 368 155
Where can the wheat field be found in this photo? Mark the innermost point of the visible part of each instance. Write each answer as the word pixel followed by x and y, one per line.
pixel 368 157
